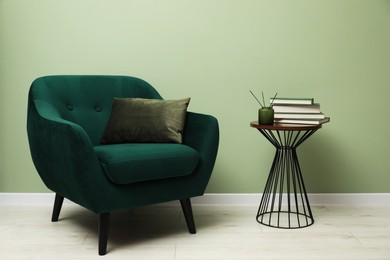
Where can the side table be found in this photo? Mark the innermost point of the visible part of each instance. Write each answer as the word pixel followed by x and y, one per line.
pixel 285 203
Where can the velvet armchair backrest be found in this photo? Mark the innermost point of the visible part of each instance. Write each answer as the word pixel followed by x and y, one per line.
pixel 86 100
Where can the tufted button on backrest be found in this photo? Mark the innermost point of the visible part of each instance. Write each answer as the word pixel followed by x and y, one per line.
pixel 70 107
pixel 98 109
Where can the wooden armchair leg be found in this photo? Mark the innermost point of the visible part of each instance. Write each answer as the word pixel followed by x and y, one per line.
pixel 187 211
pixel 104 225
pixel 57 207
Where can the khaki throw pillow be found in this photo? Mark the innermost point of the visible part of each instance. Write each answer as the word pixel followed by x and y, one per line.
pixel 138 120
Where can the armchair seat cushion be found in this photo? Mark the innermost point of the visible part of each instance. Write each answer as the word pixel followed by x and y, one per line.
pixel 136 162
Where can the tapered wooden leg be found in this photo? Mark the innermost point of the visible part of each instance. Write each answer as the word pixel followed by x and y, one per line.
pixel 187 211
pixel 57 207
pixel 104 225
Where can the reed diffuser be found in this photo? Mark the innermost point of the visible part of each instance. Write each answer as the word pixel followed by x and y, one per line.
pixel 266 113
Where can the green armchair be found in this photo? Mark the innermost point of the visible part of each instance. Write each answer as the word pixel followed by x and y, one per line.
pixel 67 116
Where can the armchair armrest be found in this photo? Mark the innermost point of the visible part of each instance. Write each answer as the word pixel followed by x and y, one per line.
pixel 202 133
pixel 63 155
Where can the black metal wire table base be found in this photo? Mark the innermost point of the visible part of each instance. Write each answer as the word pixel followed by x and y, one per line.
pixel 284 203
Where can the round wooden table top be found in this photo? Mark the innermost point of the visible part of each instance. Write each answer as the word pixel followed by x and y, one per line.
pixel 285 127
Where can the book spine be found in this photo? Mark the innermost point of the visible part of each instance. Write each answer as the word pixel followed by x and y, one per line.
pixel 299 115
pixel 302 121
pixel 315 108
pixel 292 101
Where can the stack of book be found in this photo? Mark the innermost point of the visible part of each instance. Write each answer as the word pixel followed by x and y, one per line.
pixel 298 111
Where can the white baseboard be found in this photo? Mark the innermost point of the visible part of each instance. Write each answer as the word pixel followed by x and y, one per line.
pixel 358 199
pixel 373 199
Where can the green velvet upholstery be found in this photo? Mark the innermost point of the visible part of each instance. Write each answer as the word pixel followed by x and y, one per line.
pixel 66 119
pixel 67 116
pixel 147 161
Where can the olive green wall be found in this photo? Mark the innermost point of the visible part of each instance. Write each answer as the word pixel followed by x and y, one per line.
pixel 214 51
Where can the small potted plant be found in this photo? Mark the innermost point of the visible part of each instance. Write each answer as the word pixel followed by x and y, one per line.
pixel 266 113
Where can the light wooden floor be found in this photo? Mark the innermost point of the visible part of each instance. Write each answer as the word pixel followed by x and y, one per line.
pixel 223 232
